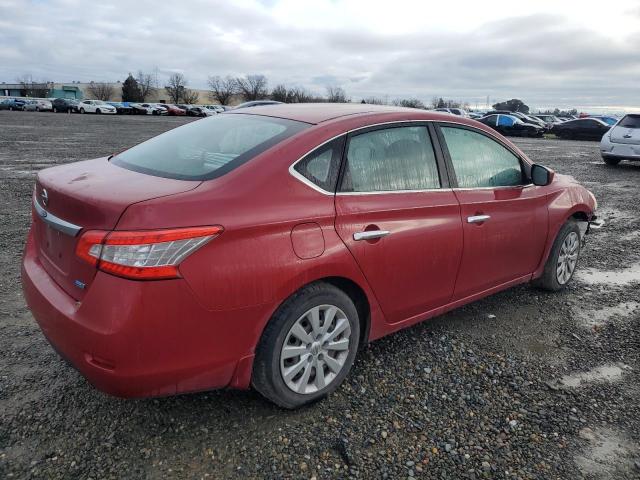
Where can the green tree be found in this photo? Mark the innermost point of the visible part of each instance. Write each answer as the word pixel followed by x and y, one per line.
pixel 131 90
pixel 513 105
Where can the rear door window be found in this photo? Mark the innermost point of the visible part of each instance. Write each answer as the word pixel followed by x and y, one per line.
pixel 390 159
pixel 479 161
pixel 207 148
pixel 630 121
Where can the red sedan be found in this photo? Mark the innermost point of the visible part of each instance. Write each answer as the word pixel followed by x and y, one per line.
pixel 262 247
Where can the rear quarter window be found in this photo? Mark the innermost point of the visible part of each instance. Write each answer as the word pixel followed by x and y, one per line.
pixel 630 121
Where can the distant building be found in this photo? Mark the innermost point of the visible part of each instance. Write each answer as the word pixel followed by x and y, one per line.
pixel 53 90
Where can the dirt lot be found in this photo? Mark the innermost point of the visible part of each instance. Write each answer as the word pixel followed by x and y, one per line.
pixel 524 384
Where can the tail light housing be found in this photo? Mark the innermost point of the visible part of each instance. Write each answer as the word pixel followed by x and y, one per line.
pixel 143 255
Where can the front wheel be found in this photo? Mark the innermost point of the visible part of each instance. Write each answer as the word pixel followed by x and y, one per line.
pixel 563 258
pixel 82 110
pixel 308 346
pixel 98 111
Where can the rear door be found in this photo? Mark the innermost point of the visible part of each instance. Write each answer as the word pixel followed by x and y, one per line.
pixel 399 218
pixel 504 216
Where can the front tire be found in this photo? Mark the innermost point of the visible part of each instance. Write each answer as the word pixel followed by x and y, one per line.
pixel 563 258
pixel 308 346
pixel 82 110
pixel 98 111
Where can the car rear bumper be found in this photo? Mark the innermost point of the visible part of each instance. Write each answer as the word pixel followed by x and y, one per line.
pixel 626 151
pixel 141 339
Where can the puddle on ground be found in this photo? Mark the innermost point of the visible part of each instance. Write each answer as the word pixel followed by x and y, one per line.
pixel 608 454
pixel 626 276
pixel 593 318
pixel 603 373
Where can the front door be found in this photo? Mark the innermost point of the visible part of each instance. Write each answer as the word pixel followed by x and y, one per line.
pixel 400 224
pixel 504 216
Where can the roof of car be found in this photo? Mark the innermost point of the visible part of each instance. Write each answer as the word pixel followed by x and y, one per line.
pixel 321 112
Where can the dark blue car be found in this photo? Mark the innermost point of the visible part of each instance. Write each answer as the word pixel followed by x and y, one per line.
pixel 12 104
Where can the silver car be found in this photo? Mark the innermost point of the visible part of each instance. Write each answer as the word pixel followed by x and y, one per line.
pixel 622 141
pixel 37 106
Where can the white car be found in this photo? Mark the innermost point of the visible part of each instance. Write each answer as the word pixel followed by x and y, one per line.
pixel 37 105
pixel 461 112
pixel 622 141
pixel 96 106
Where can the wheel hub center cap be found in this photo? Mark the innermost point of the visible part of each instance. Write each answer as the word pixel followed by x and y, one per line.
pixel 315 348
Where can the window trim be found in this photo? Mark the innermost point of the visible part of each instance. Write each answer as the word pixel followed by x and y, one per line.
pixel 439 149
pixel 525 165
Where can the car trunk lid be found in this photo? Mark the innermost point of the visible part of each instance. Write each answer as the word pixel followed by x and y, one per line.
pixel 91 195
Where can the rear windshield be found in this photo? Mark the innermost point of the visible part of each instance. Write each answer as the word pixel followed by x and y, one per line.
pixel 207 148
pixel 630 121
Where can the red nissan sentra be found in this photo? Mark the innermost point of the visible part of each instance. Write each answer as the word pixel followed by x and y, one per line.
pixel 262 248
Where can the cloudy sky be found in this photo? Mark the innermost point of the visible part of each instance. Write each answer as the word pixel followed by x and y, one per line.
pixel 548 52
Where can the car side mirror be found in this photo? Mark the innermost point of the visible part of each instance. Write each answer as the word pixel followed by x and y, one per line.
pixel 541 176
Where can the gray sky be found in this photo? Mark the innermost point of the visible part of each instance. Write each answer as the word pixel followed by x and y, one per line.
pixel 548 52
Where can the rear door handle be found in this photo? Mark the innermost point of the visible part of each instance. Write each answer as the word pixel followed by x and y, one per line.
pixel 478 218
pixel 370 234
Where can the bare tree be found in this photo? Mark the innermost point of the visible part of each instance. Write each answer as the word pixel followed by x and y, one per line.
pixel 190 97
pixel 409 103
pixel 146 84
pixel 222 89
pixel 32 88
pixel 252 87
pixel 101 90
pixel 336 95
pixel 279 93
pixel 176 87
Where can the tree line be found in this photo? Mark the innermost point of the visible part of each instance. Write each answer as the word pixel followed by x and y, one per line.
pixel 224 90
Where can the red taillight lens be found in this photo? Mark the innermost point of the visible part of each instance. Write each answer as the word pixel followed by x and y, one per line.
pixel 151 254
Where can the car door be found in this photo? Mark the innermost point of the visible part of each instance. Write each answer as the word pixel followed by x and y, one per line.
pixel 504 216
pixel 399 219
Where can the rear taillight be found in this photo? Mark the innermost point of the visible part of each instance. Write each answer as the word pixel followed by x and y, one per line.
pixel 151 254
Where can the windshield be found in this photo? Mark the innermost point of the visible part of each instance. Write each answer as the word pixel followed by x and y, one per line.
pixel 630 121
pixel 208 148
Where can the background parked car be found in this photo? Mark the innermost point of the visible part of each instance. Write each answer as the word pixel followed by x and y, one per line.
pixel 611 121
pixel 257 103
pixel 581 129
pixel 122 108
pixel 522 116
pixel 549 120
pixel 622 142
pixel 512 126
pixel 454 111
pixel 174 110
pixel 96 106
pixel 65 105
pixel 37 105
pixel 200 112
pixel 12 104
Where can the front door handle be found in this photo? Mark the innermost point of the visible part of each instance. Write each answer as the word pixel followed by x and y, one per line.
pixel 478 218
pixel 370 234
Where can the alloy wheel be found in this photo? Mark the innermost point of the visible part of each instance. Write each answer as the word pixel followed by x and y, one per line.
pixel 567 258
pixel 315 349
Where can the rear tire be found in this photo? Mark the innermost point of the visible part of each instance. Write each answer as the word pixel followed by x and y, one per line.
pixel 298 345
pixel 98 111
pixel 82 110
pixel 611 160
pixel 563 258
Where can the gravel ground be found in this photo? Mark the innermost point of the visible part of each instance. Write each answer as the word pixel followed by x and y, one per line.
pixel 524 384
